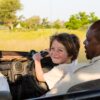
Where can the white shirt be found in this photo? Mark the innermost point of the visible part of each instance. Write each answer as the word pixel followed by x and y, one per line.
pixel 88 72
pixel 3 83
pixel 55 75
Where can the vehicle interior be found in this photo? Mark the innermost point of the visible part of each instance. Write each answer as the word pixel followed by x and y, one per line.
pixel 84 91
pixel 17 63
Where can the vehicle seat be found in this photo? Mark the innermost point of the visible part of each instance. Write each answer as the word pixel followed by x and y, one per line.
pixel 89 85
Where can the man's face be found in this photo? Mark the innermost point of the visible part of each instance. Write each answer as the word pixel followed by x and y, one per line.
pixel 91 45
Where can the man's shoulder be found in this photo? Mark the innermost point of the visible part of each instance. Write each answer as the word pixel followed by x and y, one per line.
pixel 80 66
pixel 89 68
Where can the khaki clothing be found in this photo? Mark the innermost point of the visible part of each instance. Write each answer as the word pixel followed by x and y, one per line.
pixel 91 71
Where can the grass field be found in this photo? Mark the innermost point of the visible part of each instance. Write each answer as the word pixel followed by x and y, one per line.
pixel 38 40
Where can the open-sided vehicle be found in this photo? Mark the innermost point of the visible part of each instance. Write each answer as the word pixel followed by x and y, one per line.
pixel 89 90
pixel 14 64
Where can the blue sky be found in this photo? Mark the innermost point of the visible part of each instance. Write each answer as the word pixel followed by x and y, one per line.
pixel 58 9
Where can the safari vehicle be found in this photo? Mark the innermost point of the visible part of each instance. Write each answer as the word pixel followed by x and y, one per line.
pixel 84 91
pixel 14 64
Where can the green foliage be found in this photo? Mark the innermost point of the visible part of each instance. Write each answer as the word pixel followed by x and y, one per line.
pixel 57 24
pixel 31 23
pixel 92 17
pixel 74 22
pixel 80 20
pixel 84 18
pixel 8 10
pixel 45 23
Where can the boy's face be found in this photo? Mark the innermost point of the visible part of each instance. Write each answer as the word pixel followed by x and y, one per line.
pixel 58 53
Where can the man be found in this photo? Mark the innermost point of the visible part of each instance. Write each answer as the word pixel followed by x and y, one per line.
pixel 88 72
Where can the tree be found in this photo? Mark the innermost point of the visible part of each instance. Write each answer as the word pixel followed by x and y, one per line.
pixel 84 18
pixel 58 24
pixel 79 20
pixel 32 22
pixel 92 17
pixel 74 22
pixel 45 23
pixel 8 10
